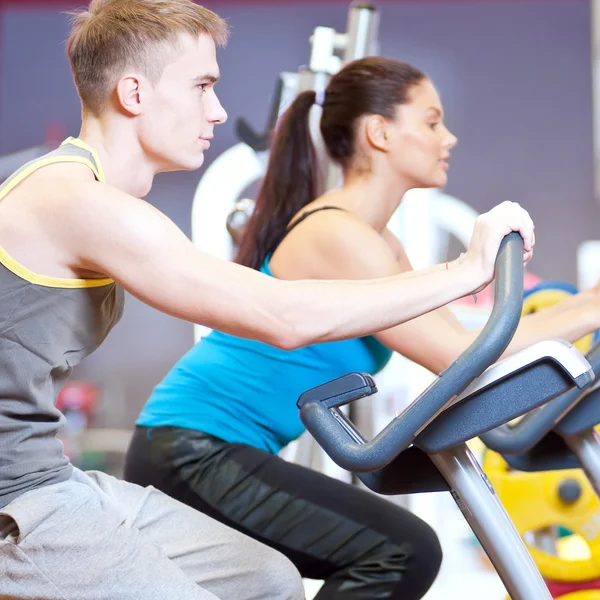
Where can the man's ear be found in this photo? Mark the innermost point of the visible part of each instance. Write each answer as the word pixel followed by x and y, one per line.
pixel 129 94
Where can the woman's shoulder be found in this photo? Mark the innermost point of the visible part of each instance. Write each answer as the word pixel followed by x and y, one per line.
pixel 336 244
pixel 330 223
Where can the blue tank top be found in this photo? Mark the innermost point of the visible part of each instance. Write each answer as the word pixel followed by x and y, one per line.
pixel 243 391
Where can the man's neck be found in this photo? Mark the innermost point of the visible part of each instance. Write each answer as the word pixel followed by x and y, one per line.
pixel 125 165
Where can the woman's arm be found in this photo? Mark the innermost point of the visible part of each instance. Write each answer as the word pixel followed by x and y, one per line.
pixel 338 245
pixel 435 340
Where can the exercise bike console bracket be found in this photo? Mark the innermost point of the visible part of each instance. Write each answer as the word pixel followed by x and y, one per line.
pixel 558 351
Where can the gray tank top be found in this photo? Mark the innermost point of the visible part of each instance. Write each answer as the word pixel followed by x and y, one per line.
pixel 47 325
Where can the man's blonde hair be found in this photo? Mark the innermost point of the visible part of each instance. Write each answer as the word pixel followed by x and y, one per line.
pixel 112 35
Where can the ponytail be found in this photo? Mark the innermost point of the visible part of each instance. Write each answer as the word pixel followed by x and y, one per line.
pixel 291 182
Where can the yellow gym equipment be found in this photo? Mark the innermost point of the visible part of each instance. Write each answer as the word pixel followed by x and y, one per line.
pixel 544 504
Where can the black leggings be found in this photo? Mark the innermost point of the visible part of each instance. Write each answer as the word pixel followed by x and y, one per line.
pixel 362 545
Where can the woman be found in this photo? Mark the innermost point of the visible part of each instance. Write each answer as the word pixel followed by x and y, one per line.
pixel 209 434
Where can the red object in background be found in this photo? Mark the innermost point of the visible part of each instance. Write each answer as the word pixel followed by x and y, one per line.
pixel 485 298
pixel 562 588
pixel 56 132
pixel 80 396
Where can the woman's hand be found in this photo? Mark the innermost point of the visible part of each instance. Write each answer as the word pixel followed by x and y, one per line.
pixel 489 231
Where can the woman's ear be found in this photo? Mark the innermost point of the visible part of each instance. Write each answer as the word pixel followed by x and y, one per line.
pixel 377 132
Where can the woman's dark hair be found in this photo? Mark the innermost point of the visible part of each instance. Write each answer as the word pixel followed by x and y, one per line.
pixel 373 85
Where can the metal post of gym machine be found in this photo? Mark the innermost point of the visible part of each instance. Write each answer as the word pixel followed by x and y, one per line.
pixel 329 51
pixel 585 447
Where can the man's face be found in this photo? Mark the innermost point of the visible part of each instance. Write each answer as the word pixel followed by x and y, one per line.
pixel 181 109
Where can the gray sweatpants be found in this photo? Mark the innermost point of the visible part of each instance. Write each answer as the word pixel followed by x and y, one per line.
pixel 94 537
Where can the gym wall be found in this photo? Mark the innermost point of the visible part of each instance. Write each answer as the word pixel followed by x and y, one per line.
pixel 515 78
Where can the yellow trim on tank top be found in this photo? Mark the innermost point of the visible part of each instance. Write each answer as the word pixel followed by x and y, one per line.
pixel 99 172
pixel 20 270
pixel 20 177
pixel 54 282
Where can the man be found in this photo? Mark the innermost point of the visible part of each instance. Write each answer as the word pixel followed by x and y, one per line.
pixel 73 233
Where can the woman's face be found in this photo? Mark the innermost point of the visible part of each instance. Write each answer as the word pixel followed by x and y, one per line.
pixel 419 142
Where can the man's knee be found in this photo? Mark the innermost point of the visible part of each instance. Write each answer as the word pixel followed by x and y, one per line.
pixel 281 578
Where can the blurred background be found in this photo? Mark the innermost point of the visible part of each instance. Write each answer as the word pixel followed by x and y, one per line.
pixel 516 80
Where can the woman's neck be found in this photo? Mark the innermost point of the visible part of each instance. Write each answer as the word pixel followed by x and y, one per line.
pixel 373 198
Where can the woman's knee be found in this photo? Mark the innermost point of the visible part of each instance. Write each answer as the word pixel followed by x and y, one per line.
pixel 427 553
pixel 421 555
pixel 407 562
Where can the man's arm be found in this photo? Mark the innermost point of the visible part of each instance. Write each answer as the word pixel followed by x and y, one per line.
pixel 114 234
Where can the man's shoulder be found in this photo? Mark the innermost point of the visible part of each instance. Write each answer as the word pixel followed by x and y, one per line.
pixel 74 182
pixel 54 180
